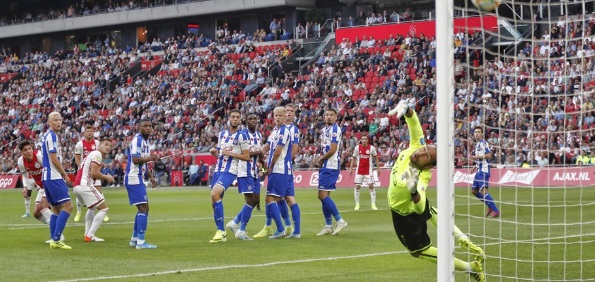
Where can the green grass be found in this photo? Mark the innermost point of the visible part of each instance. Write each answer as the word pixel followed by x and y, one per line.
pixel 517 245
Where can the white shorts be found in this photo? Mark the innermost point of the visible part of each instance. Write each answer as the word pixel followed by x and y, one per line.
pixel 89 195
pixel 40 195
pixel 361 179
pixel 29 183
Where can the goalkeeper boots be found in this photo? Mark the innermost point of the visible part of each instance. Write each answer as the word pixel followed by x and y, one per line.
pixel 476 251
pixel 477 271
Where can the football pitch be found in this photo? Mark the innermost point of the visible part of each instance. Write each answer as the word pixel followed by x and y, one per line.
pixel 181 225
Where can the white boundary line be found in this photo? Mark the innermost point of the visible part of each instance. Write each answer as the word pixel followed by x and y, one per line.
pixel 236 266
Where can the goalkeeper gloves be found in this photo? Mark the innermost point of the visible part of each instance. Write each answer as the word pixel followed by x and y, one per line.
pixel 411 176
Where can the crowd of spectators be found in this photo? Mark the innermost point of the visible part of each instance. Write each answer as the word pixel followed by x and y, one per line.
pixel 534 110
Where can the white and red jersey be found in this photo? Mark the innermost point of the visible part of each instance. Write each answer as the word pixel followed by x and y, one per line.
pixel 364 156
pixel 32 169
pixel 83 176
pixel 84 147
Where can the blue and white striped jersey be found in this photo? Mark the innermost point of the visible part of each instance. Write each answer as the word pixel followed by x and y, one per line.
pixel 280 137
pixel 250 168
pixel 51 144
pixel 235 142
pixel 135 173
pixel 331 134
pixel 481 149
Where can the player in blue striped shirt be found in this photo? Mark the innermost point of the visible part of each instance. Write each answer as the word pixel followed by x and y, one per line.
pixel 250 186
pixel 139 155
pixel 232 147
pixel 330 165
pixel 55 181
pixel 480 186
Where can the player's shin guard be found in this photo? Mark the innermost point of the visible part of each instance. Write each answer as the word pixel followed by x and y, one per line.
pixel 141 219
pixel 53 221
pixel 246 214
pixel 274 211
pixel 27 205
pixel 328 218
pixel 97 221
pixel 284 211
pixel 46 214
pixel 332 208
pixel 60 225
pixel 373 195
pixel 269 218
pixel 297 218
pixel 479 195
pixel 89 219
pixel 218 215
pixel 490 202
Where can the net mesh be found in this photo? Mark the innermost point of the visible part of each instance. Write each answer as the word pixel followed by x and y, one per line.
pixel 528 84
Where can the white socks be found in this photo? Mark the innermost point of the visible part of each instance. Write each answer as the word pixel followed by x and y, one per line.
pixel 97 221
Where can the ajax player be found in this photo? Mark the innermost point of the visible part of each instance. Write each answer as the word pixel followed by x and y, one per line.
pixel 81 150
pixel 86 192
pixel 364 169
pixel 31 168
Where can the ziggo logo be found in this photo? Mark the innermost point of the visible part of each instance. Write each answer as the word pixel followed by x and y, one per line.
pixel 5 182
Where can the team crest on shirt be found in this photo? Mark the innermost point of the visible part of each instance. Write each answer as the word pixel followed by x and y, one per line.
pixel 334 134
pixel 235 142
pixel 37 165
pixel 93 147
pixel 367 151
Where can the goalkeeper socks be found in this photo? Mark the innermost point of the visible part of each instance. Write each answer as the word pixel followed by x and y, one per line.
pixel 296 216
pixel 373 195
pixel 218 215
pixel 246 214
pixel 430 254
pixel 356 195
pixel 332 208
pixel 53 221
pixel 284 211
pixel 141 219
pixel 274 210
pixel 27 205
pixel 61 220
pixel 490 202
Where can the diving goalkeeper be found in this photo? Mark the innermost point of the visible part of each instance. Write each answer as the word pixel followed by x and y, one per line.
pixel 410 209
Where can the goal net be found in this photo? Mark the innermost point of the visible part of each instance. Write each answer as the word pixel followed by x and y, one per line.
pixel 526 79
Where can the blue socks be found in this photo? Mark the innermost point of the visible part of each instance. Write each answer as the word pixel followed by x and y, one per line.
pixel 60 224
pixel 218 215
pixel 488 200
pixel 331 209
pixel 53 220
pixel 296 216
pixel 141 225
pixel 246 214
pixel 274 213
pixel 284 211
pixel 269 218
